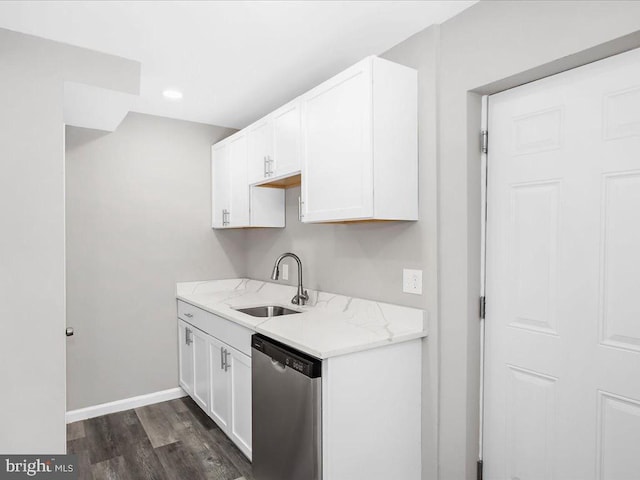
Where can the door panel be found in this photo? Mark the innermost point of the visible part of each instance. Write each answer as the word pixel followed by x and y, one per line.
pixel 259 147
pixel 338 151
pixel 201 369
pixel 240 373
pixel 239 208
pixel 562 400
pixel 186 357
pixel 287 138
pixel 219 404
pixel 221 183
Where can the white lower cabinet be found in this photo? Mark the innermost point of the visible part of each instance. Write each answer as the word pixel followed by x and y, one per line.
pixel 186 358
pixel 371 414
pixel 200 368
pixel 230 405
pixel 239 378
pixel 214 373
pixel 219 409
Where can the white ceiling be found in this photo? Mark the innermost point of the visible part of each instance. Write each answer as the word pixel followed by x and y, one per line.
pixel 233 60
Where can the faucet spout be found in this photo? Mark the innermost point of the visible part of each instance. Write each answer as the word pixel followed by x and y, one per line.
pixel 302 296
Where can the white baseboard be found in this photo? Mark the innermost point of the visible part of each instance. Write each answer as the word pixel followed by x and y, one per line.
pixel 124 404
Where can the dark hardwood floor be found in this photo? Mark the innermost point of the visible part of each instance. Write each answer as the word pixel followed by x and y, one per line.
pixel 165 441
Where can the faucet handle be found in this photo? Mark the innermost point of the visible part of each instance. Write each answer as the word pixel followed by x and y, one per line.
pixel 300 298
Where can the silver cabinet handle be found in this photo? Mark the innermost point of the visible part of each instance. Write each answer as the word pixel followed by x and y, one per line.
pixel 190 315
pixel 226 360
pixel 69 331
pixel 265 170
pixel 225 217
pixel 188 339
pixel 222 358
pixel 299 209
pixel 269 165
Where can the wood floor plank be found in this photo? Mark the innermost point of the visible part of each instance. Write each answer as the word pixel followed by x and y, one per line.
pixel 178 404
pixel 80 448
pixel 142 463
pixel 161 423
pixel 100 440
pixel 112 435
pixel 112 469
pixel 180 462
pixel 198 413
pixel 205 431
pixel 233 454
pixel 75 430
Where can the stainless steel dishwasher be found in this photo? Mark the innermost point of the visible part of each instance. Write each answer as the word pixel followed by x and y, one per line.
pixel 287 390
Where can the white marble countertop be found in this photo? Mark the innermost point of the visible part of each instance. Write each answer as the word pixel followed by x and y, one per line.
pixel 329 325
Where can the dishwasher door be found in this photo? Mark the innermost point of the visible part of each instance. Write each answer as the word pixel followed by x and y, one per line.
pixel 286 406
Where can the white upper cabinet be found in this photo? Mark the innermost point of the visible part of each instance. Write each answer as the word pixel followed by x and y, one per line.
pixel 287 140
pixel 351 142
pixel 259 138
pixel 238 214
pixel 360 146
pixel 234 203
pixel 274 145
pixel 220 184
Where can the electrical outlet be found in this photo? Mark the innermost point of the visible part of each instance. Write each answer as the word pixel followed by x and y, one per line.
pixel 285 271
pixel 412 281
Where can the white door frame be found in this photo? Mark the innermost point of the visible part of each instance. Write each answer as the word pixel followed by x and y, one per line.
pixel 484 125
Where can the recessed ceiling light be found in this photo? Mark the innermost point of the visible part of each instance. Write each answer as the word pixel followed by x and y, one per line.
pixel 172 94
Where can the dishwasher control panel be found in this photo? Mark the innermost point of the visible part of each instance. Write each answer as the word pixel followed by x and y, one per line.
pixel 287 356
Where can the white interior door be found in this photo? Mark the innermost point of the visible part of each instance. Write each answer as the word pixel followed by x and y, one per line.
pixel 562 378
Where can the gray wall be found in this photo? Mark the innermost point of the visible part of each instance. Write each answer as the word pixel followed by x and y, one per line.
pixel 491 46
pixel 138 221
pixel 32 262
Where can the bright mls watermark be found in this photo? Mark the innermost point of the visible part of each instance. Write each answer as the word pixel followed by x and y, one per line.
pixel 52 467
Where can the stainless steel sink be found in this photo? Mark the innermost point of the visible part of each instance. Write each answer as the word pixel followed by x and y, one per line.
pixel 267 311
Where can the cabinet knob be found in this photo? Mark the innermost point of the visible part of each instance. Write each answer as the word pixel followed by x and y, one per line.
pixel 190 315
pixel 69 332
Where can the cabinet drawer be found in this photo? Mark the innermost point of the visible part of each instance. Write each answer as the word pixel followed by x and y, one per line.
pixel 224 330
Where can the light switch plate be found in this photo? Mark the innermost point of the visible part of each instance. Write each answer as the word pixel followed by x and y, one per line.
pixel 285 271
pixel 412 281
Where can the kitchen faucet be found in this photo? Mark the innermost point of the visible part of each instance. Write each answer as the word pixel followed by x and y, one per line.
pixel 302 296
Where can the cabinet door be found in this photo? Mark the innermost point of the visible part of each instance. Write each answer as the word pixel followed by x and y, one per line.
pixel 201 363
pixel 239 201
pixel 240 384
pixel 220 184
pixel 219 403
pixel 287 138
pixel 185 356
pixel 259 139
pixel 337 177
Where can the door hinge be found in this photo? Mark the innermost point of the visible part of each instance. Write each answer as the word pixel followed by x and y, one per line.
pixel 479 475
pixel 484 141
pixel 483 307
